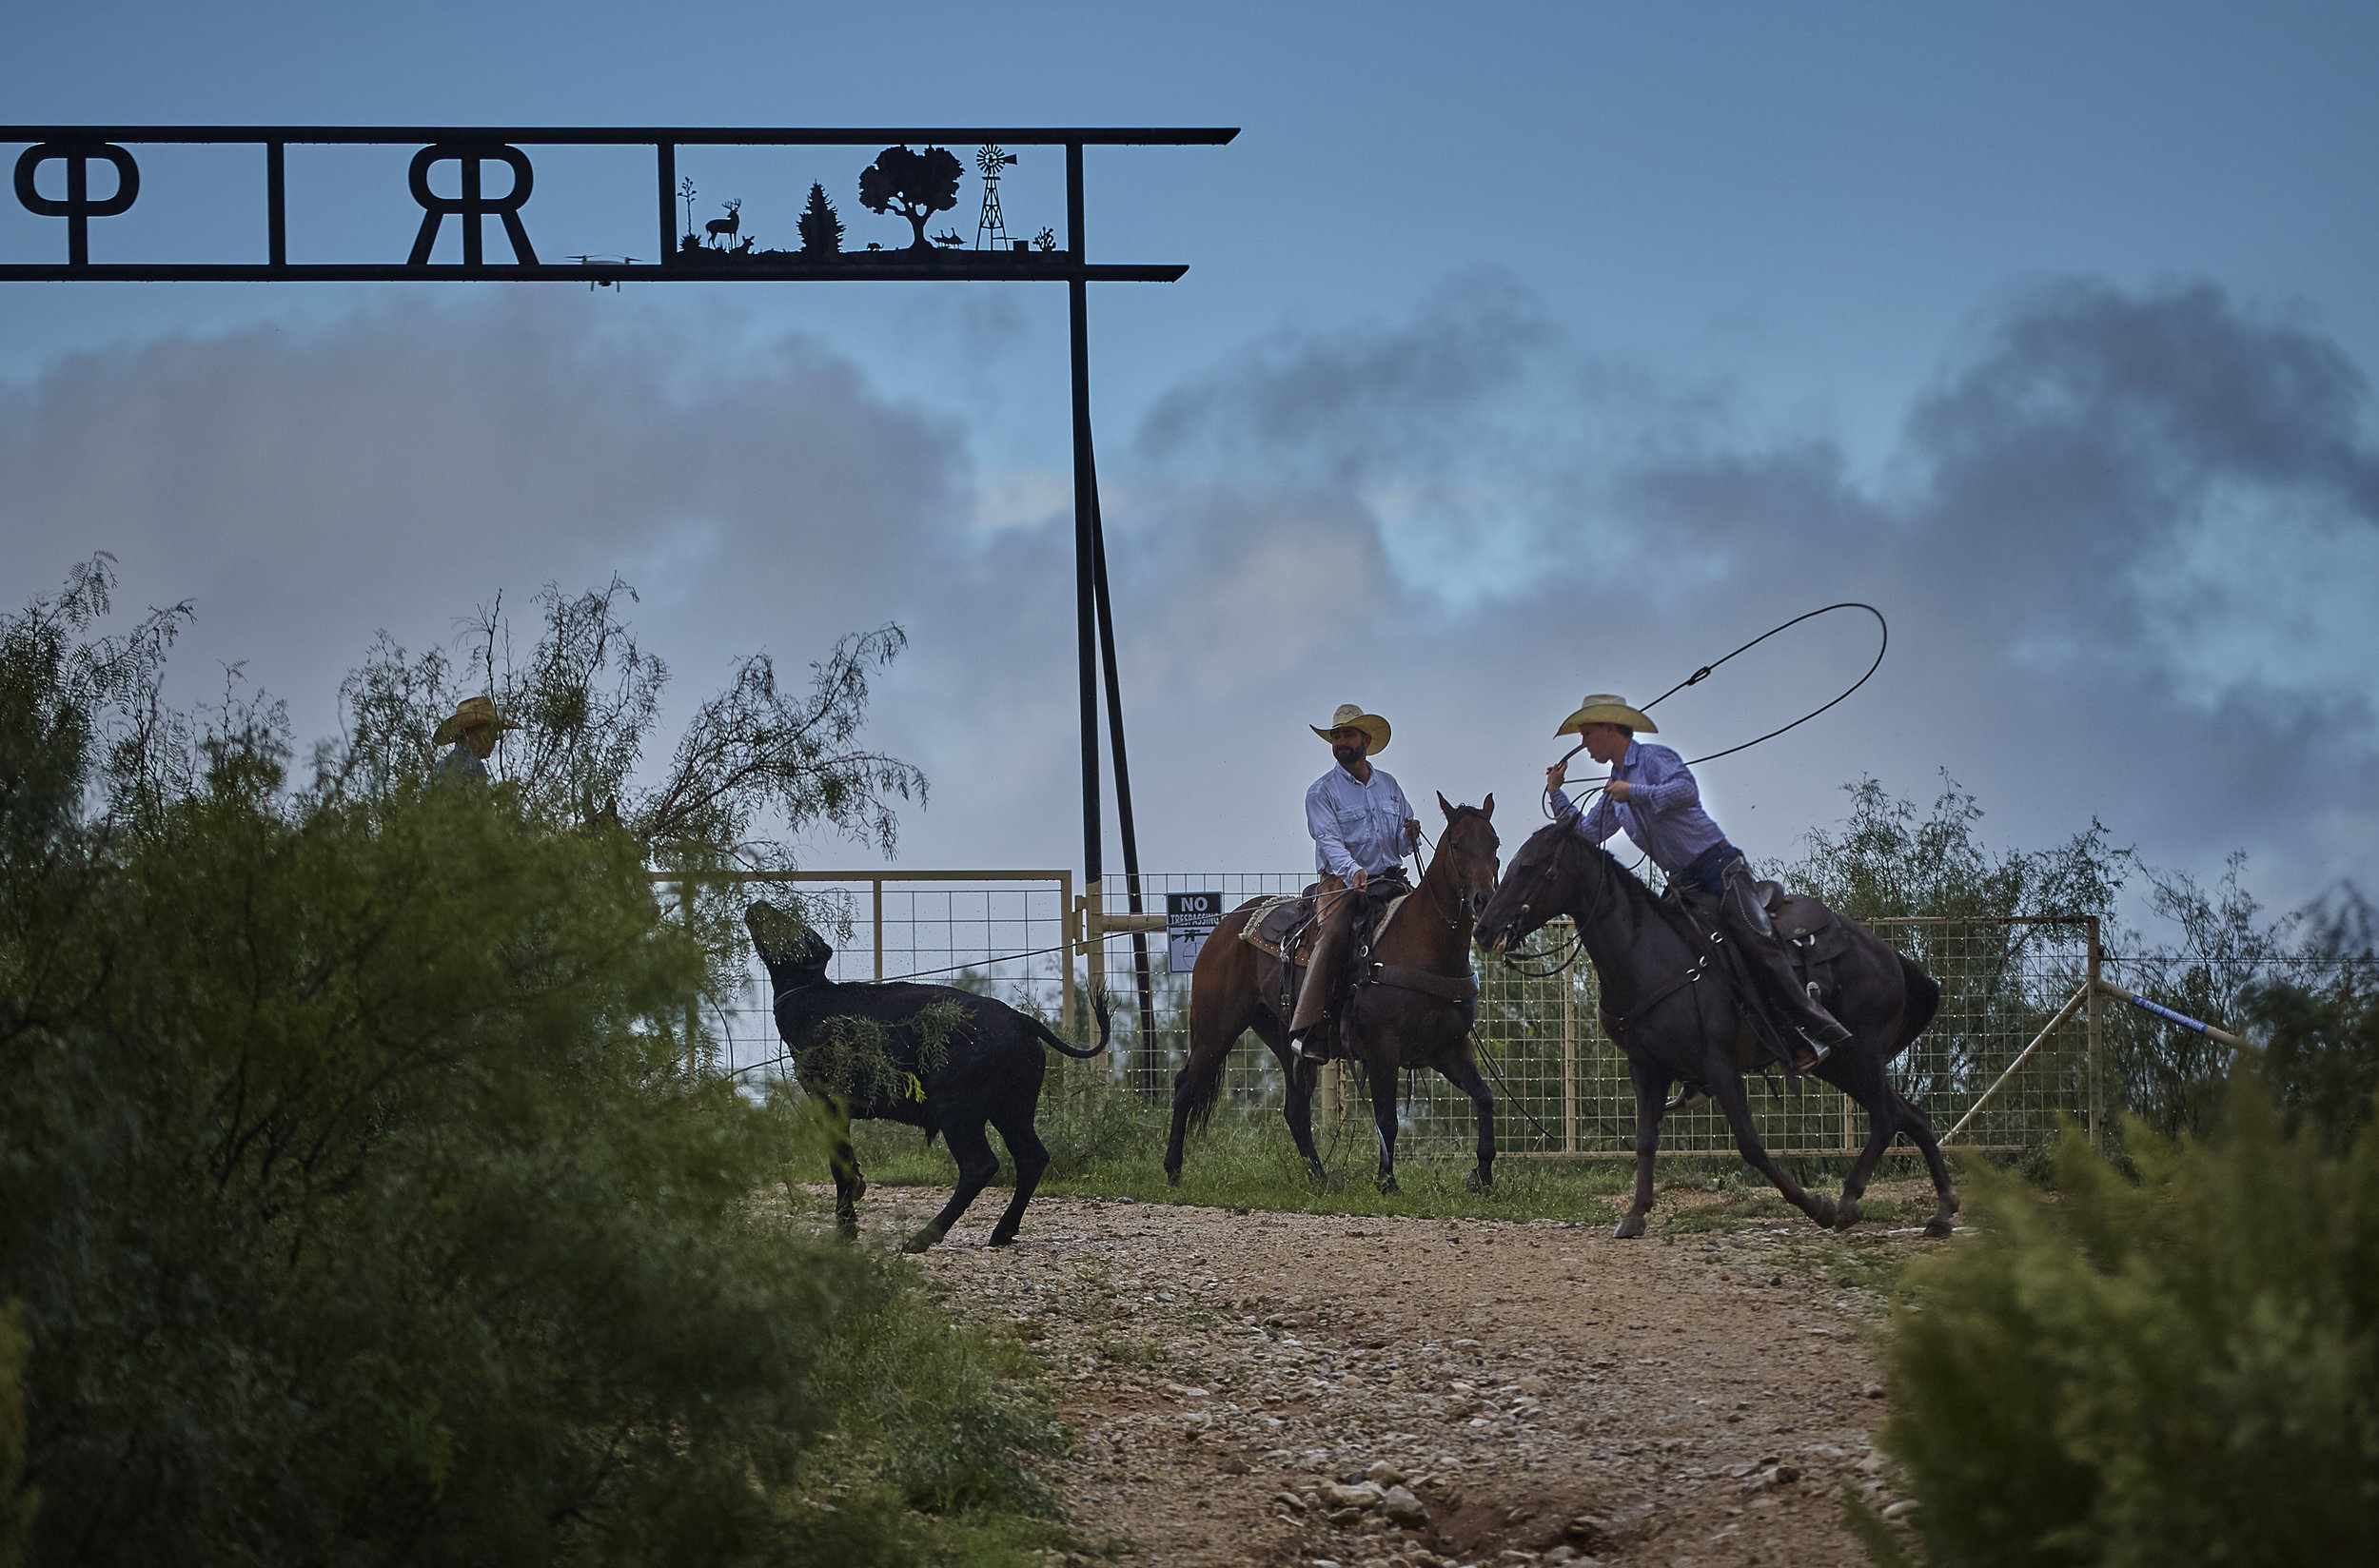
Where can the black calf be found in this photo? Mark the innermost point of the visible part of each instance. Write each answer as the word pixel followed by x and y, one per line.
pixel 949 1062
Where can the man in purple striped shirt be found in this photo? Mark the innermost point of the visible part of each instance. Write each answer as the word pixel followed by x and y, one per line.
pixel 1651 797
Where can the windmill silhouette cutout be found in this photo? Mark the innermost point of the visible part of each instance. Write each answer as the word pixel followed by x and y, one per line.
pixel 991 232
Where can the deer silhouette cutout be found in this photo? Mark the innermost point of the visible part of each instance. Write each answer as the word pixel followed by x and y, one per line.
pixel 743 247
pixel 724 229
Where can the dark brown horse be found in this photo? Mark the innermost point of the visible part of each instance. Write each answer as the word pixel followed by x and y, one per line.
pixel 1414 1010
pixel 1674 1030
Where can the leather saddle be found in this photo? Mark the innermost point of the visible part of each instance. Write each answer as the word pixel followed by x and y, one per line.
pixel 1285 927
pixel 1811 932
pixel 1280 927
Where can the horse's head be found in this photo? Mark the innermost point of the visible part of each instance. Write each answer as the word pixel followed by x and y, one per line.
pixel 795 955
pixel 1467 859
pixel 1542 883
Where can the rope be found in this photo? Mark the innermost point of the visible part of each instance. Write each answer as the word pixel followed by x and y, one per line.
pixel 1546 801
pixel 1489 1057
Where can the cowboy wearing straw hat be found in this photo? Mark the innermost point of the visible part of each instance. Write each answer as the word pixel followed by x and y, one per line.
pixel 1362 828
pixel 1651 797
pixel 472 730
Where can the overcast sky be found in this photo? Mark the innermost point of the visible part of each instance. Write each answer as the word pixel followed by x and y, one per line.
pixel 1525 351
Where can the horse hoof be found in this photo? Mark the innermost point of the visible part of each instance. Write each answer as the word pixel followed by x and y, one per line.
pixel 1386 1184
pixel 1479 1180
pixel 1173 1175
pixel 1630 1228
pixel 1822 1211
pixel 922 1240
pixel 1938 1226
pixel 1846 1214
pixel 1002 1239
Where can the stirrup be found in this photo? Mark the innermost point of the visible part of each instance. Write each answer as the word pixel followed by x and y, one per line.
pixel 1686 1095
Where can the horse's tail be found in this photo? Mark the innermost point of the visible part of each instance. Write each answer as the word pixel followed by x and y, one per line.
pixel 1098 1005
pixel 1219 1013
pixel 1924 1000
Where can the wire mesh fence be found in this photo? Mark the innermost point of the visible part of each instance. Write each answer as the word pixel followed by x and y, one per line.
pixel 1001 933
pixel 2015 1049
pixel 1562 1084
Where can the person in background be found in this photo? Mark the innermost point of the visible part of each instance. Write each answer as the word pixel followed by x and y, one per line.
pixel 472 732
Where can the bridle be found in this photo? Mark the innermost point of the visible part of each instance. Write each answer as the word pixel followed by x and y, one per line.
pixel 1453 922
pixel 1566 957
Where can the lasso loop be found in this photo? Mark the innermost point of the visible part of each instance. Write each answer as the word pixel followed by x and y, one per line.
pixel 1546 801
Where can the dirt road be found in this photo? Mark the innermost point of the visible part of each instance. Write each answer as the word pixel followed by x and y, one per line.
pixel 1510 1392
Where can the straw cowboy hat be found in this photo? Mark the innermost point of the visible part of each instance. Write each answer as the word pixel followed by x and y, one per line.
pixel 1349 716
pixel 1602 708
pixel 474 712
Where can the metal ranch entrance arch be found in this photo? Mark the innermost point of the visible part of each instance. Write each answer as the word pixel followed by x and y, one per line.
pixel 483 158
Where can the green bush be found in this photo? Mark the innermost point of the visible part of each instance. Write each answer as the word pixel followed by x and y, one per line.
pixel 2184 1369
pixel 1089 1120
pixel 17 1503
pixel 359 1205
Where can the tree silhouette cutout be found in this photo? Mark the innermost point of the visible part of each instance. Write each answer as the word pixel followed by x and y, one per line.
pixel 821 230
pixel 916 184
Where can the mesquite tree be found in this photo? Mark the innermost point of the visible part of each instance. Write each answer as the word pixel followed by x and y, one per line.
pixel 916 184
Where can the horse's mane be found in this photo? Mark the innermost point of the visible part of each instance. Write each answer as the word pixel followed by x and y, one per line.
pixel 1629 886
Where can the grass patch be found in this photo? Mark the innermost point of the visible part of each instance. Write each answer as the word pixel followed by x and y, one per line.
pixel 1104 1143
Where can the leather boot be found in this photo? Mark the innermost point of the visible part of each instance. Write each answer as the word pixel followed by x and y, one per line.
pixel 1747 920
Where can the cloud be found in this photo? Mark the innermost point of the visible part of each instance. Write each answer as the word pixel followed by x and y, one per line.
pixel 398 467
pixel 2125 550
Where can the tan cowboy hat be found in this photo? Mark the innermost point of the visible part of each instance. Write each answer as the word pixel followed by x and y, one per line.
pixel 474 712
pixel 1602 708
pixel 1352 718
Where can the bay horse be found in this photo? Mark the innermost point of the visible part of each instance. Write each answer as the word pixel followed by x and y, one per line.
pixel 1413 1008
pixel 1647 955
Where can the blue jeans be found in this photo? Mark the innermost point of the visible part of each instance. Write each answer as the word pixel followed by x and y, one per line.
pixel 1706 874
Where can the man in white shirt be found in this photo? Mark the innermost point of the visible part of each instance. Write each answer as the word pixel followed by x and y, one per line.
pixel 1362 828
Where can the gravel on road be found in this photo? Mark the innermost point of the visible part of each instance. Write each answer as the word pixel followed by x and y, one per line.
pixel 1283 1388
